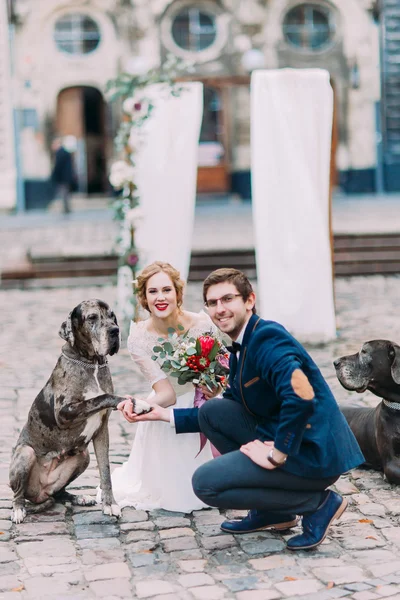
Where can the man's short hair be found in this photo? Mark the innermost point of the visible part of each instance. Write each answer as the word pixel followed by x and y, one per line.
pixel 234 276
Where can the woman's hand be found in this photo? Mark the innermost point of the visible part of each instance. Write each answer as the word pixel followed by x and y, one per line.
pixel 158 413
pixel 258 452
pixel 208 394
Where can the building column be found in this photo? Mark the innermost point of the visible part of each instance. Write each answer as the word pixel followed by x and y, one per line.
pixel 7 151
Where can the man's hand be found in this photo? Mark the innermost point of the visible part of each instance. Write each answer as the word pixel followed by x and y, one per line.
pixel 258 451
pixel 208 394
pixel 158 413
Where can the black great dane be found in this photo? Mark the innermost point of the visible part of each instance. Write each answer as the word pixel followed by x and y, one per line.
pixel 71 410
pixel 375 368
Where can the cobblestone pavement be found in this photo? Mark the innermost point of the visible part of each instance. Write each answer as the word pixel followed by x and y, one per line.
pixel 78 553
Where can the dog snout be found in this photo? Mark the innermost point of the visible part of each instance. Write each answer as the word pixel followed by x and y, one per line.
pixel 336 363
pixel 114 331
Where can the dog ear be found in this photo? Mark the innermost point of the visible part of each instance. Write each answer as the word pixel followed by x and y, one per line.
pixel 395 362
pixel 66 332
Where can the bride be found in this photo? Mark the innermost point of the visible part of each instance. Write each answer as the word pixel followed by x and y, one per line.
pixel 159 470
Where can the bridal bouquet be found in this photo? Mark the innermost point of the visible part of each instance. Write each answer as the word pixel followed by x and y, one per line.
pixel 201 361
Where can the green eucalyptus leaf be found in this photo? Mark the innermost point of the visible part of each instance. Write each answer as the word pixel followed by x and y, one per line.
pixel 168 347
pixel 191 351
pixel 157 349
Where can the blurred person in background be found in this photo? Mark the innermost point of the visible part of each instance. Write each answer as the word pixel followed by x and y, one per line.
pixel 63 174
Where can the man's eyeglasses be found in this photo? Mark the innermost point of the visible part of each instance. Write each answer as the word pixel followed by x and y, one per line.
pixel 227 299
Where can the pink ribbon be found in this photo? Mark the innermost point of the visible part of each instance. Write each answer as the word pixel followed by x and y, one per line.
pixel 199 400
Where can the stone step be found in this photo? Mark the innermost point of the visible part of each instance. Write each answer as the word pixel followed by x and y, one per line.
pixel 354 254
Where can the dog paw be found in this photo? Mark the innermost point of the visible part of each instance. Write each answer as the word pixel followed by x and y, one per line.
pixel 113 510
pixel 83 501
pixel 18 515
pixel 141 406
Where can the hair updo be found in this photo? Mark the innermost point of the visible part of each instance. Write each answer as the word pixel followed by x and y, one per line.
pixel 149 271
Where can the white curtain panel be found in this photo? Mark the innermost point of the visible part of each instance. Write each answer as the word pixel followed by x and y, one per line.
pixel 291 127
pixel 166 176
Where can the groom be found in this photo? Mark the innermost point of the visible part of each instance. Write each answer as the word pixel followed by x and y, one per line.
pixel 282 438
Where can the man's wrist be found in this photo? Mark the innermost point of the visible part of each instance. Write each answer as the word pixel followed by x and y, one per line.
pixel 278 460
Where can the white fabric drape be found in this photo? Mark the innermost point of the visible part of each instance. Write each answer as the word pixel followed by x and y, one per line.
pixel 291 127
pixel 166 176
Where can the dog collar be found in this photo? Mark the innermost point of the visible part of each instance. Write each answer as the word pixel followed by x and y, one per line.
pixel 89 365
pixel 393 405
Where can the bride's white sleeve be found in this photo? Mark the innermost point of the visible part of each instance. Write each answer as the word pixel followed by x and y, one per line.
pixel 143 361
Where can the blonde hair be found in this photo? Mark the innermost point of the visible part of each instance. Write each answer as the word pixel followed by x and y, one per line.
pixel 149 271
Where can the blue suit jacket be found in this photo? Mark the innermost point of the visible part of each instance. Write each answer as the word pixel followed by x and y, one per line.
pixel 313 433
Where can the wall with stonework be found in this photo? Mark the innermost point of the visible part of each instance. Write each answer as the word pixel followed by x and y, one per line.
pixel 136 35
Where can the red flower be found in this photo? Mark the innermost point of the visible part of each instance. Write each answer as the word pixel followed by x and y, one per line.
pixel 137 106
pixel 206 343
pixel 202 362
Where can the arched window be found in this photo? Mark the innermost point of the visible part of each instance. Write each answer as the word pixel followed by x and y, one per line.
pixel 309 26
pixel 194 29
pixel 76 33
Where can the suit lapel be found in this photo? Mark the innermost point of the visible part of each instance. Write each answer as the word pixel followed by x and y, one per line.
pixel 251 325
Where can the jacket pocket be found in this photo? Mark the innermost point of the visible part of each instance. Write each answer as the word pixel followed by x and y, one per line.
pixel 249 383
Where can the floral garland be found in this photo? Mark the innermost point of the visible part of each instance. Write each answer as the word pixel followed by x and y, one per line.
pixel 137 108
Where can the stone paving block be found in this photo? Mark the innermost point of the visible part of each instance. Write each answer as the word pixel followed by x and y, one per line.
pixel 41 529
pixel 383 569
pixel 387 591
pixel 374 556
pixel 141 526
pixel 272 562
pixel 258 595
pixel 300 587
pixel 39 587
pixel 146 589
pixel 170 522
pixel 192 554
pixel 365 596
pixel 131 515
pixel 344 486
pixel 143 546
pixel 92 518
pixel 340 575
pixel 7 554
pixel 192 566
pixel 208 592
pixel 195 579
pixel 96 531
pixel 117 570
pixel 209 518
pixel 176 532
pixel 94 557
pixel 393 506
pixel 218 542
pixel 140 536
pixel 373 510
pixel 116 588
pixel 5 525
pixel 8 582
pixel 262 546
pixel 209 530
pixel 239 584
pixel 181 543
pixel 58 546
pixel 141 560
pixel 393 535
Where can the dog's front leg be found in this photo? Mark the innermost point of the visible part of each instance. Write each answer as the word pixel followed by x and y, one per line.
pixel 101 446
pixel 77 411
pixel 22 462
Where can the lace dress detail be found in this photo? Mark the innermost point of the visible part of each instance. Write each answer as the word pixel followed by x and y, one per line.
pixel 159 470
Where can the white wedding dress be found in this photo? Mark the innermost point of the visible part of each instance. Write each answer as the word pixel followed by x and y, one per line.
pixel 158 473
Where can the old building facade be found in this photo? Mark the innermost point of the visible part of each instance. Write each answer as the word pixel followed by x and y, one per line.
pixel 66 50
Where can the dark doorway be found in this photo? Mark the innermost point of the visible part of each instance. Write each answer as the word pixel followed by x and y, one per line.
pixel 81 113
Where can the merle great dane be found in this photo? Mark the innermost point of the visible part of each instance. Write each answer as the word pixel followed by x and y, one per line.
pixel 71 410
pixel 376 368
